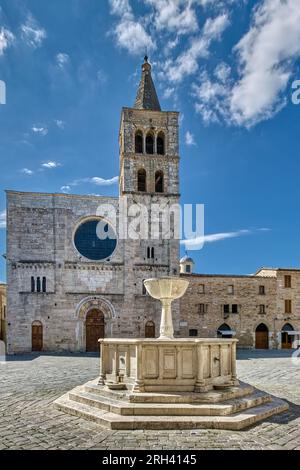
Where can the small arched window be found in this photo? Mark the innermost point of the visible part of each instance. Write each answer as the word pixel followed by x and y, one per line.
pixel 44 284
pixel 38 284
pixel 152 252
pixel 32 284
pixel 148 252
pixel 159 182
pixel 139 142
pixel 141 180
pixel 160 144
pixel 149 144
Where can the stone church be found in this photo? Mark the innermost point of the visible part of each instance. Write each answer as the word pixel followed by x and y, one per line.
pixel 67 287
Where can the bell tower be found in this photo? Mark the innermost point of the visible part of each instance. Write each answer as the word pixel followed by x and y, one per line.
pixel 148 139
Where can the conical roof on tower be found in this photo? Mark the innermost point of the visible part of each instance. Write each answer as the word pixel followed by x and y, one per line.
pixel 146 97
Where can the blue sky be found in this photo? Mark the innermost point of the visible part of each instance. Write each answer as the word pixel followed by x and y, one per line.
pixel 227 66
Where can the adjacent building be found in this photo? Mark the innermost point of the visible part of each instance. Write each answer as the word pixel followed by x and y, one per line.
pixel 262 310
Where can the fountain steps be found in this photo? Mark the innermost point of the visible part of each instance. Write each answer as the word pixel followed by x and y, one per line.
pixel 213 396
pixel 112 413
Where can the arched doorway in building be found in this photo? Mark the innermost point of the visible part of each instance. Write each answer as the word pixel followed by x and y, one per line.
pixel 95 327
pixel 286 339
pixel 262 337
pixel 37 336
pixel 224 331
pixel 150 329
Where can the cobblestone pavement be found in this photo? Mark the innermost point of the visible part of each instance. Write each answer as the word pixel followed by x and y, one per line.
pixel 29 385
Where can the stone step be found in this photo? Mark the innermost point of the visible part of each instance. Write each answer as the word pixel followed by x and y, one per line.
pixel 213 396
pixel 120 422
pixel 80 395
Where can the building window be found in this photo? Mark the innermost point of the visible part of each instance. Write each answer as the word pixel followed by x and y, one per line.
pixel 188 268
pixel 202 308
pixel 38 284
pixel 287 281
pixel 288 306
pixel 149 144
pixel 32 284
pixel 262 308
pixel 261 290
pixel 201 289
pixel 139 142
pixel 193 332
pixel 150 252
pixel 160 144
pixel 226 308
pixel 235 308
pixel 230 289
pixel 142 180
pixel 95 239
pixel 44 285
pixel 159 182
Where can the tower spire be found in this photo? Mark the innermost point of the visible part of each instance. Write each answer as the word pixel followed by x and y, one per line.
pixel 146 97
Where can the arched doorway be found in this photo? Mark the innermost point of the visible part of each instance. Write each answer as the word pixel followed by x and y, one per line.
pixel 36 336
pixel 94 325
pixel 286 339
pixel 262 337
pixel 224 331
pixel 150 329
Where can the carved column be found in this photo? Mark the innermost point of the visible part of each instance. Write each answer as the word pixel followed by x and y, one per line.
pixel 233 364
pixel 138 386
pixel 102 376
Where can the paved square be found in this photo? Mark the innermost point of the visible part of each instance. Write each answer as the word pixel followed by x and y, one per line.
pixel 29 384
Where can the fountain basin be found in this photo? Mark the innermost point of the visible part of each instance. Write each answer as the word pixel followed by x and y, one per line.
pixel 178 365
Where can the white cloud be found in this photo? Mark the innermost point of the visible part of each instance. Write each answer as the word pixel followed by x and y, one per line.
pixel 216 237
pixel 130 34
pixel 97 180
pixel 3 219
pixel 187 63
pixel 32 33
pixel 104 182
pixel 50 165
pixel 26 171
pixel 222 71
pixel 62 59
pixel 65 189
pixel 60 124
pixel 168 92
pixel 39 130
pixel 6 39
pixel 174 16
pixel 189 139
pixel 266 55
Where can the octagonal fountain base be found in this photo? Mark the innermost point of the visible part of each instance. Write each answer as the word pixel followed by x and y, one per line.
pixel 169 384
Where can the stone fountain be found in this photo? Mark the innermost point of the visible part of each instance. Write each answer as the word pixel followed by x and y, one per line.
pixel 169 383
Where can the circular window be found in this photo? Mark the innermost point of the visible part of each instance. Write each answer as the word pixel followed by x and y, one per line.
pixel 95 239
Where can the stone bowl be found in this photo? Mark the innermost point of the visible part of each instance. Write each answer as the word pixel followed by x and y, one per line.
pixel 166 287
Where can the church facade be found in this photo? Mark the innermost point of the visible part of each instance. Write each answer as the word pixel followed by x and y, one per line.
pixel 67 286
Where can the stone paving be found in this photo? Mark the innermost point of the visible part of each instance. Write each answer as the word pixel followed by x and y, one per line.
pixel 29 385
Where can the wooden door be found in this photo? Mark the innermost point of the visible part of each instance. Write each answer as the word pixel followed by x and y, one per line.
pixel 150 329
pixel 95 328
pixel 261 340
pixel 37 336
pixel 286 340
